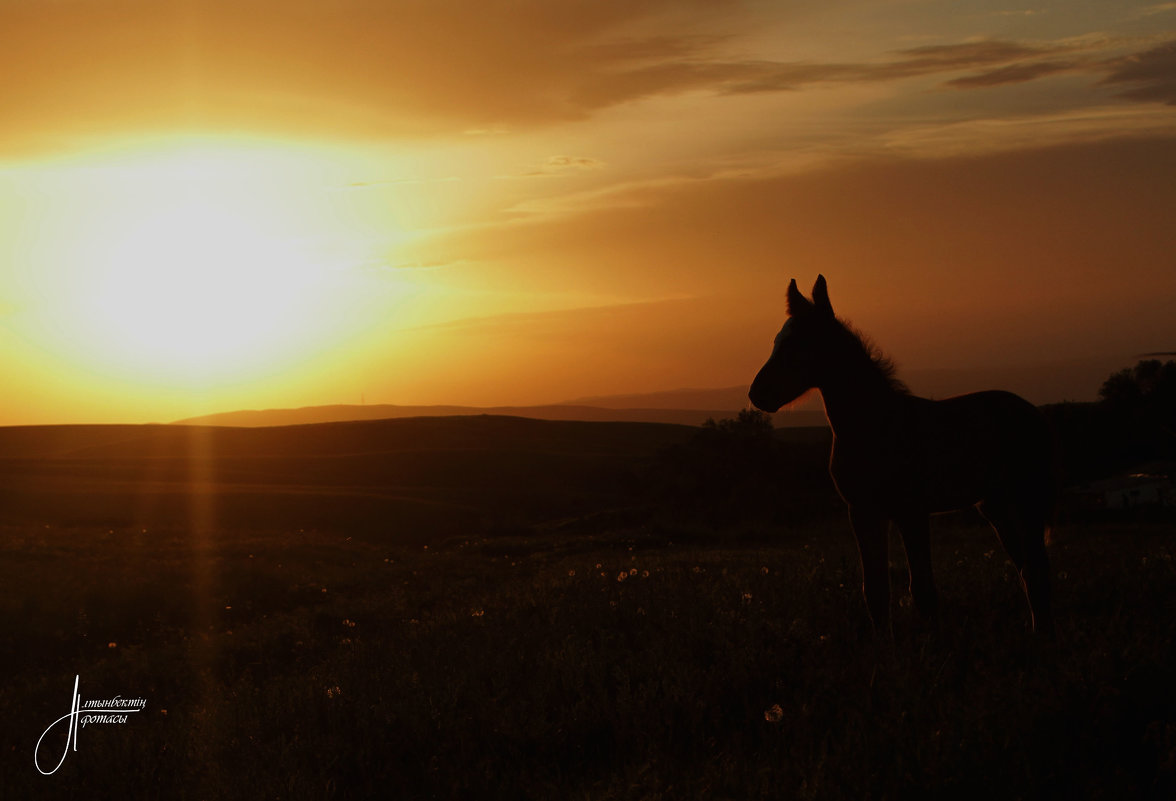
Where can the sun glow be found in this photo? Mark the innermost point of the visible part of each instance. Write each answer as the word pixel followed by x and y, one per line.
pixel 196 266
pixel 194 287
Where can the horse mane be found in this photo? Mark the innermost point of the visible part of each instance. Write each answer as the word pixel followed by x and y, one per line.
pixel 878 361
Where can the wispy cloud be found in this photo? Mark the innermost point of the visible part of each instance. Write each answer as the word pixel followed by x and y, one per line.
pixel 1160 8
pixel 1149 76
pixel 389 70
pixel 375 184
pixel 1000 62
pixel 556 166
pixel 1036 131
pixel 1013 73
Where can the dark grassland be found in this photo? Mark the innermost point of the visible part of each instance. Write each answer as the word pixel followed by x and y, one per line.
pixel 563 637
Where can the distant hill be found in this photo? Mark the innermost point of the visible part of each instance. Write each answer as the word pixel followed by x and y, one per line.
pixel 711 398
pixel 690 416
pixel 1040 384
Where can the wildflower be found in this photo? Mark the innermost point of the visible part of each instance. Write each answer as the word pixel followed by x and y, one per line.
pixel 765 571
pixel 334 692
pixel 571 572
pixel 644 574
pixel 622 576
pixel 478 613
pixel 349 623
pixel 112 645
pixel 632 571
pixel 774 714
pixel 747 597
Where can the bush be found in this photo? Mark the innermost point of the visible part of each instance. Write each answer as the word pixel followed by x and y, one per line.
pixel 739 470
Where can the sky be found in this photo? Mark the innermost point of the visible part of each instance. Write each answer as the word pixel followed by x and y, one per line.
pixel 208 206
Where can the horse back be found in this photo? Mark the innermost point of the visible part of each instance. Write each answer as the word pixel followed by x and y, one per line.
pixel 940 455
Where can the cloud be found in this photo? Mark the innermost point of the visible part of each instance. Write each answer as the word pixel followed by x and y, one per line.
pixel 367 69
pixel 1150 76
pixel 358 67
pixel 397 182
pixel 1006 62
pixel 371 69
pixel 1054 217
pixel 560 165
pixel 1013 73
pixel 1151 11
pixel 985 136
pixel 961 55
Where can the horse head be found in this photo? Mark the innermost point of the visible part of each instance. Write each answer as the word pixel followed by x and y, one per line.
pixel 799 353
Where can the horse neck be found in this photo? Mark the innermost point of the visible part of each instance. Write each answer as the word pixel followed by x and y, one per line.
pixel 859 400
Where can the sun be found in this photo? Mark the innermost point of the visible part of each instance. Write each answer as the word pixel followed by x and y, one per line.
pixel 207 271
pixel 194 287
pixel 193 276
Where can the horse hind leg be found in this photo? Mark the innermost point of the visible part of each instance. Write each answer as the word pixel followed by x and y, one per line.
pixel 1022 532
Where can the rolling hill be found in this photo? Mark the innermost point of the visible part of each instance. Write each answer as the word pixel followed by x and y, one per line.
pixel 404 478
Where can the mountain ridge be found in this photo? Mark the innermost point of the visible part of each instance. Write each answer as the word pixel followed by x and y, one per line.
pixel 252 418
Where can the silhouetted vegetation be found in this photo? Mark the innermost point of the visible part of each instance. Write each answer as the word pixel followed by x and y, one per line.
pixel 1133 423
pixel 741 470
pixel 1141 406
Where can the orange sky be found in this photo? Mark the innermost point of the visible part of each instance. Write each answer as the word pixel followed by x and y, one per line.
pixel 218 205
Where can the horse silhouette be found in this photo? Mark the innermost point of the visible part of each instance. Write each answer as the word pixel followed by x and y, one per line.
pixel 900 458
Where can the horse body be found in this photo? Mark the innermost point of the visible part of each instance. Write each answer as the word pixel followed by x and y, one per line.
pixel 900 458
pixel 933 456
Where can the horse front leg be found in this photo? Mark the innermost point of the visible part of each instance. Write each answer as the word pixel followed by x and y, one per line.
pixel 870 528
pixel 916 540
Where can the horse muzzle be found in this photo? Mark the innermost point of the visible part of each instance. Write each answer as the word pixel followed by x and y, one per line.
pixel 762 401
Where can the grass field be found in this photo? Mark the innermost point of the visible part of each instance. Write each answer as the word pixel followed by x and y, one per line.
pixel 639 663
pixel 589 654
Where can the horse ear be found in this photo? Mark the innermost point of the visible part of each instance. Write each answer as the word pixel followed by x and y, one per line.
pixel 797 303
pixel 821 297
